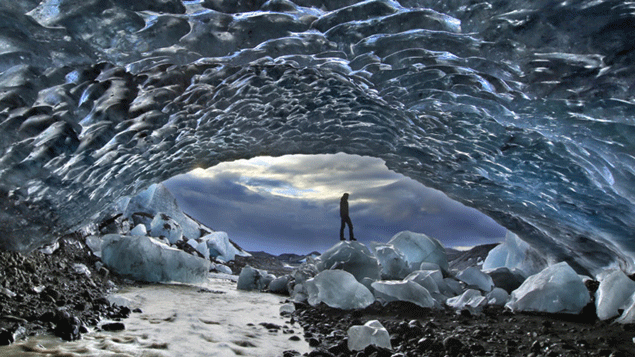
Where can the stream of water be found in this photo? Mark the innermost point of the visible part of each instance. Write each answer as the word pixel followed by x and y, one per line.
pixel 213 319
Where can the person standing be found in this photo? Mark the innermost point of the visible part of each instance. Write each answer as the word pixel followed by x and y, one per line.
pixel 346 219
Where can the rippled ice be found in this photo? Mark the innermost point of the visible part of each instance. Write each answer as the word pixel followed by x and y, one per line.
pixel 213 319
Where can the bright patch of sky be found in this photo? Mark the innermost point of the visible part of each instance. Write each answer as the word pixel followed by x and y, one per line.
pixel 291 203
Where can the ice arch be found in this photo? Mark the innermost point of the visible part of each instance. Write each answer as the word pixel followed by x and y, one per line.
pixel 528 119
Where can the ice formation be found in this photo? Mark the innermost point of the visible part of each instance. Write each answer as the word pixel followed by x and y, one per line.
pixel 475 278
pixel 497 296
pixel 220 247
pixel 146 259
pixel 515 253
pixel 339 289
pixel 254 279
pixel 280 285
pixel 556 289
pixel 405 290
pixel 371 333
pixel 393 262
pixel 418 248
pixel 537 134
pixel 353 257
pixel 616 292
pixel 471 300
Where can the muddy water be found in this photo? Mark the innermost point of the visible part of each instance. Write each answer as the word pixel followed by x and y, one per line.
pixel 213 319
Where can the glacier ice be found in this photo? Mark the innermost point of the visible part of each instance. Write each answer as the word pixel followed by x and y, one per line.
pixel 139 230
pixel 146 259
pixel 280 285
pixel 405 290
pixel 199 246
pixel 497 296
pixel 556 289
pixel 418 248
pixel 616 291
pixel 471 300
pixel 254 279
pixel 338 289
pixel 370 333
pixel 100 106
pixel 220 247
pixel 515 253
pixel 475 278
pixel 428 279
pixel 393 263
pixel 353 257
pixel 163 226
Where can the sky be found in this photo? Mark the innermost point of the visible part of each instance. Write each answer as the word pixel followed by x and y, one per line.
pixel 290 204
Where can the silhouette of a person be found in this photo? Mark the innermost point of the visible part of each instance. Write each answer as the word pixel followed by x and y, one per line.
pixel 345 218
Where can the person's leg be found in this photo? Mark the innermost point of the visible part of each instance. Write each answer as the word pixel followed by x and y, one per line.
pixel 350 228
pixel 342 229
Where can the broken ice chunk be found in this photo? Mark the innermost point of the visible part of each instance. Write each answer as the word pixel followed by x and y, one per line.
pixel 393 263
pixel 615 292
pixel 200 247
pixel 475 278
pixel 497 296
pixel 164 226
pixel 353 257
pixel 555 289
pixel 254 279
pixel 406 290
pixel 139 230
pixel 470 300
pixel 371 333
pixel 220 247
pixel 418 248
pixel 146 259
pixel 280 285
pixel 515 253
pixel 338 289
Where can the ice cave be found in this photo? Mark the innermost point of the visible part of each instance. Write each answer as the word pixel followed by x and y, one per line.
pixel 100 99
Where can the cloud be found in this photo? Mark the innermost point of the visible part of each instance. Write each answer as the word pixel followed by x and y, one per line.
pixel 291 203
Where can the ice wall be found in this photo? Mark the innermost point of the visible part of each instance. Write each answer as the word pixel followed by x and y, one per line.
pixel 504 107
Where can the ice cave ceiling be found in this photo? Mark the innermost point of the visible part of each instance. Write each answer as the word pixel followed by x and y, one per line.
pixel 521 109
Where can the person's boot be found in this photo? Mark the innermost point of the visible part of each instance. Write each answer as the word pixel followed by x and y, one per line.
pixel 342 238
pixel 353 238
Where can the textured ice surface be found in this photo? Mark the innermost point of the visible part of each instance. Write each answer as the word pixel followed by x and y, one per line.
pixel 556 289
pixel 616 291
pixel 371 333
pixel 393 262
pixel 280 285
pixel 220 247
pixel 353 257
pixel 515 253
pixel 405 290
pixel 200 246
pixel 475 278
pixel 145 259
pixel 418 248
pixel 254 279
pixel 339 289
pixel 471 300
pixel 533 126
pixel 163 226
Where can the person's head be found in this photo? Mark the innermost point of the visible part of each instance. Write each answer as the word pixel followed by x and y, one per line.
pixel 345 196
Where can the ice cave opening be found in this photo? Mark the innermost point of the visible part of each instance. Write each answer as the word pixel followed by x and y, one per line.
pixel 290 203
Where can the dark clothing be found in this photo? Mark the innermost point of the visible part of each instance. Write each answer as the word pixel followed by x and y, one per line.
pixel 345 218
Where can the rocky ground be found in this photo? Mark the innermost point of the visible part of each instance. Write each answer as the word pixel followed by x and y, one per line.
pixel 60 293
pixel 416 331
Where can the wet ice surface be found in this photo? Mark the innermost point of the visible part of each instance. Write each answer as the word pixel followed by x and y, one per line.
pixel 213 319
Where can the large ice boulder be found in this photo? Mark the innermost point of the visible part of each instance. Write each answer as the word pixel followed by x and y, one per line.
pixel 164 226
pixel 515 253
pixel 353 257
pixel 418 248
pixel 220 247
pixel 616 291
pixel 200 246
pixel 497 296
pixel 146 259
pixel 371 333
pixel 628 317
pixel 556 289
pixel 475 278
pixel 280 285
pixel 254 279
pixel 393 262
pixel 158 199
pixel 406 290
pixel 338 289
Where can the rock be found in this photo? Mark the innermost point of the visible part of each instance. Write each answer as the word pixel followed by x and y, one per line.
pixel 67 326
pixel 452 345
pixel 113 326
